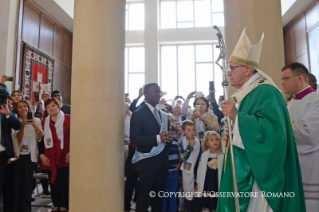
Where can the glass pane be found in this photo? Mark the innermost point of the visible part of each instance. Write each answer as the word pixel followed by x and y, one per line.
pixel 185 11
pixel 136 17
pixel 204 74
pixel 168 15
pixel 136 59
pixel 125 73
pixel 204 53
pixel 186 72
pixel 185 25
pixel 218 19
pixel 169 71
pixel 136 81
pixel 218 76
pixel 217 6
pixel 202 13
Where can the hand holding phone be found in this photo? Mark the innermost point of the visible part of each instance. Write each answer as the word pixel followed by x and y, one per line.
pixel 197 109
pixel 29 115
pixel 36 96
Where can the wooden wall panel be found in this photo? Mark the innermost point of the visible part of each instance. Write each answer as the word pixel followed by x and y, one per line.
pixel 62 81
pixel 30 25
pixel 42 31
pixel 46 35
pixel 291 48
pixel 301 36
pixel 296 35
pixel 58 43
pixel 67 85
pixel 67 50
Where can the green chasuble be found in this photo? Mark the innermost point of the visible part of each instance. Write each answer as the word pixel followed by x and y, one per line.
pixel 270 155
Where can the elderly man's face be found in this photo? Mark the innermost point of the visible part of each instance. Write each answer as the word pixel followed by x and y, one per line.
pixel 236 74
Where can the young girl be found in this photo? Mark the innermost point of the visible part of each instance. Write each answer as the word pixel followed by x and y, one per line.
pixel 209 170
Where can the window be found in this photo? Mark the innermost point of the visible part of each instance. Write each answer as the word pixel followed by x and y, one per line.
pixel 191 13
pixel 134 69
pixel 186 68
pixel 134 16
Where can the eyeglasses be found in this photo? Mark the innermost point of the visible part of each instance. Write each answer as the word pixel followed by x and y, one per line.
pixel 230 68
pixel 287 78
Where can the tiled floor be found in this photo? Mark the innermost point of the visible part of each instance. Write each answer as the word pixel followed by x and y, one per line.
pixel 41 204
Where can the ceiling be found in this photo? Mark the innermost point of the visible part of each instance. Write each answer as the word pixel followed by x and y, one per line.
pixel 63 10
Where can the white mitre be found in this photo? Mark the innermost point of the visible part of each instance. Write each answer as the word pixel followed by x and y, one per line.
pixel 249 55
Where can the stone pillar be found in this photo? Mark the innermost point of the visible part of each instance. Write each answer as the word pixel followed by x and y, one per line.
pixel 151 41
pixel 97 123
pixel 9 11
pixel 258 17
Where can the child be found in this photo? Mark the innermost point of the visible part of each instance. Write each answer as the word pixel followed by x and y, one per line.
pixel 209 170
pixel 189 150
pixel 172 178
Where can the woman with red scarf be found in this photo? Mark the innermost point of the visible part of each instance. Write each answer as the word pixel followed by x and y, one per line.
pixel 54 151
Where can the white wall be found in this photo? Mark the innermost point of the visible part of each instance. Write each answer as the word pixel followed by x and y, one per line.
pixel 8 26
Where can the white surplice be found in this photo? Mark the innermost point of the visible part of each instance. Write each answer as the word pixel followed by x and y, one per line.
pixel 304 115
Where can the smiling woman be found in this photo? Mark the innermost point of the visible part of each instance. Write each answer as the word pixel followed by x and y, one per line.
pixel 25 149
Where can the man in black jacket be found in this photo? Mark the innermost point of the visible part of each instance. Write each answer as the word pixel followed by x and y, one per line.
pixel 149 132
pixel 8 122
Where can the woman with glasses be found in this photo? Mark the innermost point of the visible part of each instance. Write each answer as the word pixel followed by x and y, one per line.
pixel 54 151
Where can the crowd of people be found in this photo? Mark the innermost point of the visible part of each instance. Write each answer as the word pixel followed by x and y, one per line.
pixel 183 151
pixel 30 132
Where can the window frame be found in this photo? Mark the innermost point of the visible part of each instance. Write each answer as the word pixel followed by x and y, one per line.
pixel 213 44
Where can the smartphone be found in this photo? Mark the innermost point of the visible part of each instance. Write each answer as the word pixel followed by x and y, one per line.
pixel 198 94
pixel 197 109
pixel 29 115
pixel 10 79
pixel 212 87
pixel 36 96
pixel 12 159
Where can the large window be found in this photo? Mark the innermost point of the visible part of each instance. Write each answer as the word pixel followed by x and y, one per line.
pixel 134 69
pixel 134 16
pixel 191 13
pixel 187 68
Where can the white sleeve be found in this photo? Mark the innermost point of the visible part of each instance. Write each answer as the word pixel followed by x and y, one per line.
pixel 185 110
pixel 236 136
pixel 306 130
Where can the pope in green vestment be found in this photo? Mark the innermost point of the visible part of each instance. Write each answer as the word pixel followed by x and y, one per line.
pixel 270 155
pixel 265 153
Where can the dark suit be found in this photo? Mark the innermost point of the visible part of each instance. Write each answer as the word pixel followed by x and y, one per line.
pixel 6 141
pixel 66 109
pixel 216 110
pixel 133 106
pixel 152 171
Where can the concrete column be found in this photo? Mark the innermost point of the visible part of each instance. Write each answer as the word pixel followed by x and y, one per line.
pixel 151 41
pixel 258 17
pixel 97 123
pixel 9 11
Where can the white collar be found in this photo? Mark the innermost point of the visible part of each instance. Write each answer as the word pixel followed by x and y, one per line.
pixel 301 90
pixel 151 107
pixel 251 80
